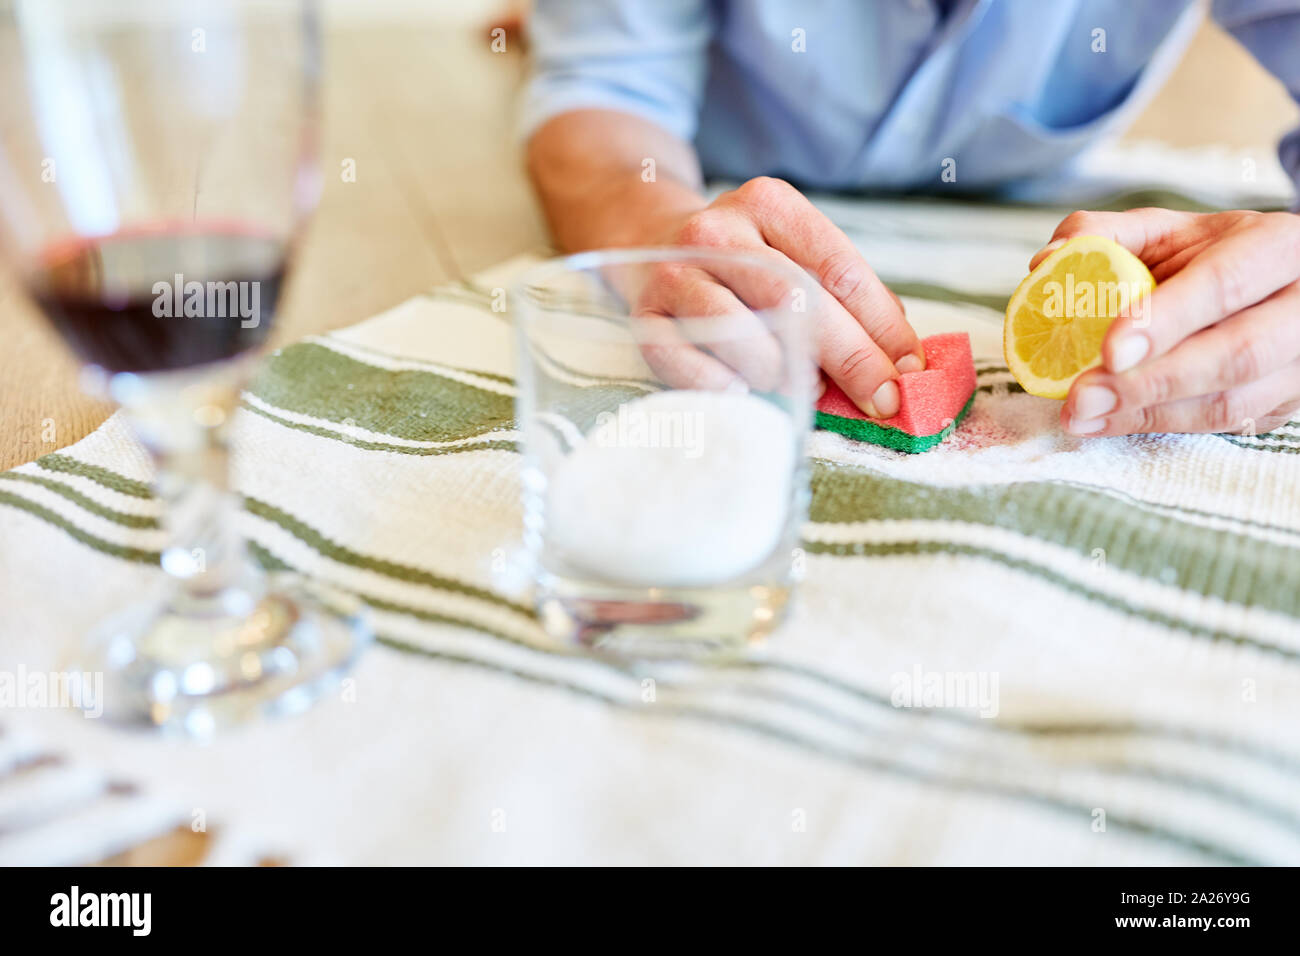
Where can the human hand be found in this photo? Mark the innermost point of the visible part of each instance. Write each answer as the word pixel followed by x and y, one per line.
pixel 1217 346
pixel 863 340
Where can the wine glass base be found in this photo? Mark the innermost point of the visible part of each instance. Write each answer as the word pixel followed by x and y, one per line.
pixel 194 665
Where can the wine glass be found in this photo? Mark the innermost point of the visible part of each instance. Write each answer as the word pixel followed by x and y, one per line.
pixel 157 164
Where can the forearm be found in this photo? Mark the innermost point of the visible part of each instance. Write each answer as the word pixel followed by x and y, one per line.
pixel 590 171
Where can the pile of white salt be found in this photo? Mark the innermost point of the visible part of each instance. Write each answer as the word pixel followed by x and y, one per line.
pixel 680 488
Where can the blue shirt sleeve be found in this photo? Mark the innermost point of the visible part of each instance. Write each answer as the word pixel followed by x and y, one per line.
pixel 1270 29
pixel 645 58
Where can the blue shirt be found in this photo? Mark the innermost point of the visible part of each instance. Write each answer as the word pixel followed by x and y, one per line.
pixel 885 94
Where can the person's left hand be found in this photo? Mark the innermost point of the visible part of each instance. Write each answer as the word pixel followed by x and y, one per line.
pixel 1217 348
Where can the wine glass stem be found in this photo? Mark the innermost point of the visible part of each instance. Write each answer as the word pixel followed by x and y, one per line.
pixel 206 551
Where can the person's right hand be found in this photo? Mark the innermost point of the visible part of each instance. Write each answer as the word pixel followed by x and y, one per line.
pixel 863 340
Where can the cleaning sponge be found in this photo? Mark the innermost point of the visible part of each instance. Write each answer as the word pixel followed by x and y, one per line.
pixel 930 402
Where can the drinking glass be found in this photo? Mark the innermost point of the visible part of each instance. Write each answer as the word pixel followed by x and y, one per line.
pixel 665 396
pixel 157 164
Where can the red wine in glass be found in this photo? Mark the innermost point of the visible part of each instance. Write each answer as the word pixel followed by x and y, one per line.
pixel 162 299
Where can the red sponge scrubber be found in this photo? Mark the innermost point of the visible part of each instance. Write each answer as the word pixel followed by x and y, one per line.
pixel 930 402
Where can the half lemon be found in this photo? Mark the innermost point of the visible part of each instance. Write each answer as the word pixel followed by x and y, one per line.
pixel 1058 316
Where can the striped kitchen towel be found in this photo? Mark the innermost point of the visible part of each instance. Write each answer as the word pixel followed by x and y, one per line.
pixel 55 812
pixel 1122 616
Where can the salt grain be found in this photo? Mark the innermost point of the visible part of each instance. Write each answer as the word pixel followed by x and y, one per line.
pixel 680 488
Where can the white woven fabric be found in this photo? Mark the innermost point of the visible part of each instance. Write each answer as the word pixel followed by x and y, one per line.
pixel 1135 599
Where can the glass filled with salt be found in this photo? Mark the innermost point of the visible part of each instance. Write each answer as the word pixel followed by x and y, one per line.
pixel 664 398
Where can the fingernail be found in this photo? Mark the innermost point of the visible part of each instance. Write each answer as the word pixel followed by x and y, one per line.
pixel 1128 351
pixel 1047 249
pixel 910 363
pixel 884 401
pixel 1093 401
pixel 1086 426
pixel 737 386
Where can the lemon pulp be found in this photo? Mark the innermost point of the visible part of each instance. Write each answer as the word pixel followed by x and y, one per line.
pixel 1058 316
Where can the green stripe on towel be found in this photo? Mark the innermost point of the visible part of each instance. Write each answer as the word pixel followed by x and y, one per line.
pixel 1156 547
pixel 84 502
pixel 125 552
pixel 65 464
pixel 417 405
